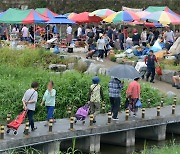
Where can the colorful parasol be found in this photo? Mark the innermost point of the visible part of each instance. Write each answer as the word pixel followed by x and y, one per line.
pixel 17 16
pixel 85 18
pixel 103 13
pixel 60 19
pixel 70 15
pixel 160 8
pixel 46 12
pixel 162 17
pixel 142 14
pixel 122 16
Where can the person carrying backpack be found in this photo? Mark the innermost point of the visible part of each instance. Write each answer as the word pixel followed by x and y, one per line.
pixel 95 96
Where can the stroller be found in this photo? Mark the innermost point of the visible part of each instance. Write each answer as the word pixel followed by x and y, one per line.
pixel 82 113
pixel 15 124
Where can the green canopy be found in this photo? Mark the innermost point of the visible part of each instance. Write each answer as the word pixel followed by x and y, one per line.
pixel 156 8
pixel 16 16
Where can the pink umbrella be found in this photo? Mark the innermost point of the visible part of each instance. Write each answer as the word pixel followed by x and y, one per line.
pixel 142 14
pixel 85 18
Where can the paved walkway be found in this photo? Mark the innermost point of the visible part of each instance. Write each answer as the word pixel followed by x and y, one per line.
pixel 61 127
pixel 162 86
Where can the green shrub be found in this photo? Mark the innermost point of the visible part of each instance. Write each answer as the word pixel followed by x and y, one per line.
pixel 113 58
pixel 72 89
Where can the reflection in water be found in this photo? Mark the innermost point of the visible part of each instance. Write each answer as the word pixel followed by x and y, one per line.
pixel 111 149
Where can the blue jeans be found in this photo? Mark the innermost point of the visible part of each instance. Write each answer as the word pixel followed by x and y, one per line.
pixel 50 112
pixel 30 115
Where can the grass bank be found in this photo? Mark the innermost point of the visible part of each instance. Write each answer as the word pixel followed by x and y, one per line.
pixel 18 70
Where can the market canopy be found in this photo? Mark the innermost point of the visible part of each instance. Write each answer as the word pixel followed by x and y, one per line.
pixel 160 8
pixel 102 13
pixel 16 16
pixel 162 17
pixel 142 14
pixel 60 19
pixel 122 16
pixel 70 15
pixel 46 12
pixel 85 18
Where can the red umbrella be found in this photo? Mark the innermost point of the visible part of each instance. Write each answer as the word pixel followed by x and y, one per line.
pixel 85 18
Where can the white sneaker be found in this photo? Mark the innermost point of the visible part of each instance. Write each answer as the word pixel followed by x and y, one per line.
pixel 97 58
pixel 115 119
pixel 101 60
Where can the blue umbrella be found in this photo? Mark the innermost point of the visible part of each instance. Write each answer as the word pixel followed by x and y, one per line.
pixel 60 19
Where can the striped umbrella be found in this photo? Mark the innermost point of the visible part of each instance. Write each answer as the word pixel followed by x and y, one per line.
pixel 162 17
pixel 16 16
pixel 71 15
pixel 142 14
pixel 103 13
pixel 122 16
pixel 85 18
pixel 46 12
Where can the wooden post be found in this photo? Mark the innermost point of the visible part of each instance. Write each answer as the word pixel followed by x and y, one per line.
pixel 8 118
pixel 127 115
pixel 91 119
pixel 175 100
pixel 26 131
pixel 158 111
pixel 50 125
pixel 143 113
pixel 162 101
pixel 149 103
pixel 69 112
pixel 173 109
pixel 103 107
pixel 109 117
pixel 2 132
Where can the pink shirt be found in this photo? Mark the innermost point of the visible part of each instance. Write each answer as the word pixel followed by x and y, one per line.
pixel 134 89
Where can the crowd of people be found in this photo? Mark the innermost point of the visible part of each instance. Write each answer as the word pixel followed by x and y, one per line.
pixel 103 39
pixel 95 97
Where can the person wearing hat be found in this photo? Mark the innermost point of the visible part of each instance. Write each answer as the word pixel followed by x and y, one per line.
pixel 133 94
pixel 101 46
pixel 95 96
pixel 115 86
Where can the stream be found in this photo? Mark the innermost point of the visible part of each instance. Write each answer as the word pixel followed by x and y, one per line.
pixel 139 145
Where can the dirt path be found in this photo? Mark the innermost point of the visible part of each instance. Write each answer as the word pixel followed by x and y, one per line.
pixel 162 86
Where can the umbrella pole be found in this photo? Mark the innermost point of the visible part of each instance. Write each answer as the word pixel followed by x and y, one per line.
pixel 34 35
pixel 60 31
pixel 47 29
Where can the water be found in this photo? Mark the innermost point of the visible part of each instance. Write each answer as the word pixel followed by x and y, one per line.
pixel 139 145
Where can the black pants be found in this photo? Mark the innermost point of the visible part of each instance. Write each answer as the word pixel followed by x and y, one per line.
pixel 101 54
pixel 144 44
pixel 30 115
pixel 122 45
pixel 115 106
pixel 150 71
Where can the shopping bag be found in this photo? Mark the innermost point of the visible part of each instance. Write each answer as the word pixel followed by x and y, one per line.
pixel 138 104
pixel 159 70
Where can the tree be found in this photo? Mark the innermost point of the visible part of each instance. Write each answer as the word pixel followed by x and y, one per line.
pixel 38 4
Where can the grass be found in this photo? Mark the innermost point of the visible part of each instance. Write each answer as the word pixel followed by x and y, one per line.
pixel 16 75
pixel 166 149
